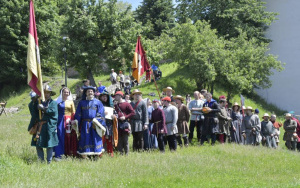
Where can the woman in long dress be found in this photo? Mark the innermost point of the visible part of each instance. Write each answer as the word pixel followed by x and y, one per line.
pixel 236 134
pixel 66 135
pixel 111 125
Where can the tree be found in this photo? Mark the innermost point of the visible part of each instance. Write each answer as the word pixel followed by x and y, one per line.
pixel 198 47
pixel 229 17
pixel 238 65
pixel 247 66
pixel 158 14
pixel 100 32
pixel 14 21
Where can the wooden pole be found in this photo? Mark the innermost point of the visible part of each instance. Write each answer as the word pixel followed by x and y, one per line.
pixel 40 112
pixel 155 85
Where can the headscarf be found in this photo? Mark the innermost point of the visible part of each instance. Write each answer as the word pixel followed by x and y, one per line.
pixel 60 98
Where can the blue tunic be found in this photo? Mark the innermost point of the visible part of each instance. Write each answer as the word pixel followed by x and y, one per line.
pixel 90 143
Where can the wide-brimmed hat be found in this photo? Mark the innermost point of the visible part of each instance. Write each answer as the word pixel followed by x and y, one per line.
pixel 89 87
pixel 179 97
pixel 136 91
pixel 168 89
pixel 249 108
pixel 288 115
pixel 236 104
pixel 104 93
pixel 166 99
pixel 48 88
pixel 203 91
pixel 266 115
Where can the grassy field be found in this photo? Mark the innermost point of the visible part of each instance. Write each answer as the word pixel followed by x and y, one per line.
pixel 228 165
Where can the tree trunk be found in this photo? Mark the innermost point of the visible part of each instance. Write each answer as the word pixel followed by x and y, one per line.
pixel 212 88
pixel 91 78
pixel 229 98
pixel 199 85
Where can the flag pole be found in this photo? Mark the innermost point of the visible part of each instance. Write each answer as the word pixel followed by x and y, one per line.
pixel 155 84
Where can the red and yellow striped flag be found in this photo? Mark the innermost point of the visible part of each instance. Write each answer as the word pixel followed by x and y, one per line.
pixel 140 63
pixel 35 80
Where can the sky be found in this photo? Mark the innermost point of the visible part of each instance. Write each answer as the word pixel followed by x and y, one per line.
pixel 136 3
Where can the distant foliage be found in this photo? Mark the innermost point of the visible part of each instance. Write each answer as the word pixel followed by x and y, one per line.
pixel 156 14
pixel 14 21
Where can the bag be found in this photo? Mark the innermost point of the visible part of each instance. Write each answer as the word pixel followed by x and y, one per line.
pixel 33 129
pixel 125 126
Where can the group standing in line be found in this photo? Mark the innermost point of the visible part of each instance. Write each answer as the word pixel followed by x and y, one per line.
pixel 103 122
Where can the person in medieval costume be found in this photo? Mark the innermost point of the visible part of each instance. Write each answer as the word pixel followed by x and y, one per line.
pixel 182 122
pixel 33 111
pixel 171 117
pixel 211 122
pixel 90 119
pixel 268 132
pixel 66 135
pixel 111 134
pixel 236 116
pixel 251 128
pixel 224 121
pixel 169 93
pixel 277 126
pixel 150 140
pixel 197 117
pixel 297 129
pixel 159 124
pixel 124 113
pixel 140 121
pixel 290 136
pixel 46 135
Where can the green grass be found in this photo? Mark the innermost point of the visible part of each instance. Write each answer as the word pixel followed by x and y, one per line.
pixel 226 165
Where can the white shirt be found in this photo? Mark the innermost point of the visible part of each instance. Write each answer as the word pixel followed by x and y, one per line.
pixel 195 104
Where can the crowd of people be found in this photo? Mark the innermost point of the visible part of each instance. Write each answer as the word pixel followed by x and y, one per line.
pixel 102 122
